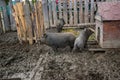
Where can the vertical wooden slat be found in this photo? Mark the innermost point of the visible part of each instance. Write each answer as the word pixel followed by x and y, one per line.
pixel 3 23
pixel 19 31
pixel 28 23
pixel 22 19
pixel 41 19
pixel 59 7
pixel 54 11
pixel 45 13
pixel 81 13
pixel 86 11
pixel 1 29
pixel 92 11
pixel 75 12
pixel 12 21
pixel 37 23
pixel 65 11
pixel 50 11
pixel 70 12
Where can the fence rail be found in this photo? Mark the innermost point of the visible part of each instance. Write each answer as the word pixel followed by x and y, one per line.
pixel 29 22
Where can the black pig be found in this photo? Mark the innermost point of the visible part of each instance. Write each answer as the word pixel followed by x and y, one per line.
pixel 58 40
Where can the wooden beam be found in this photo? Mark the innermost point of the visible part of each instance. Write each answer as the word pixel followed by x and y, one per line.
pixel 12 79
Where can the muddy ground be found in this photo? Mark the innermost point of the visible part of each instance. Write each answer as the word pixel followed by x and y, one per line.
pixel 18 60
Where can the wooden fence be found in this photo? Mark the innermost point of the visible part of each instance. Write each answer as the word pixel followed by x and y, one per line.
pixel 74 12
pixel 29 21
pixel 2 26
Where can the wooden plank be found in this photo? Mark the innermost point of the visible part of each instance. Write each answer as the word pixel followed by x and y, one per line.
pixel 50 12
pixel 65 11
pixel 22 19
pixel 28 23
pixel 42 19
pixel 92 43
pixel 92 11
pixel 18 26
pixel 45 13
pixel 12 79
pixel 54 11
pixel 97 49
pixel 75 12
pixel 38 20
pixel 59 7
pixel 3 23
pixel 35 18
pixel 86 11
pixel 12 21
pixel 1 30
pixel 70 12
pixel 35 69
pixel 81 13
pixel 79 25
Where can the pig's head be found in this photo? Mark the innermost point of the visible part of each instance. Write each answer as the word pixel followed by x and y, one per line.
pixel 60 24
pixel 43 39
pixel 88 31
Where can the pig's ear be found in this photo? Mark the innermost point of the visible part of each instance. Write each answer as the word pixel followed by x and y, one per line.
pixel 45 35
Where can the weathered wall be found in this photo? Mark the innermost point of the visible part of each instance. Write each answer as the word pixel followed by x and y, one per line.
pixel 111 35
pixel 6 20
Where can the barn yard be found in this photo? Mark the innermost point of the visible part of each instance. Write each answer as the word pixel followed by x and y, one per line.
pixel 22 61
pixel 25 23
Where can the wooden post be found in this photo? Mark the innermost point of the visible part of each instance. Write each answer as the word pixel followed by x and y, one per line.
pixel 22 20
pixel 12 21
pixel 54 12
pixel 41 19
pixel 81 13
pixel 28 23
pixel 59 6
pixel 1 29
pixel 18 26
pixel 50 12
pixel 65 16
pixel 86 11
pixel 71 12
pixel 75 12
pixel 45 13
pixel 37 22
pixel 3 24
pixel 92 11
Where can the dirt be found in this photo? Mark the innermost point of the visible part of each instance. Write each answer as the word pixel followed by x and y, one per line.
pixel 19 60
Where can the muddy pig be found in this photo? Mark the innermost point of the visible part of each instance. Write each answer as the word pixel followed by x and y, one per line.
pixel 81 41
pixel 60 24
pixel 58 40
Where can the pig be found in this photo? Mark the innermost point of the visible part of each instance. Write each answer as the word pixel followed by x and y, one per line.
pixel 81 41
pixel 60 24
pixel 58 40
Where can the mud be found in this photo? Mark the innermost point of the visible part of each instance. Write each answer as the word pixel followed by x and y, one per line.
pixel 18 60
